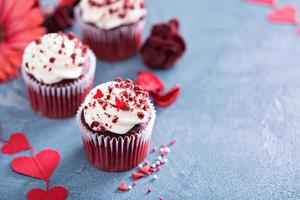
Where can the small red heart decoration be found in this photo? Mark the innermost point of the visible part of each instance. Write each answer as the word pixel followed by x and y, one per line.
pixel 40 166
pixel 122 187
pixel 263 2
pixel 55 193
pixel 17 142
pixel 285 14
pixel 137 175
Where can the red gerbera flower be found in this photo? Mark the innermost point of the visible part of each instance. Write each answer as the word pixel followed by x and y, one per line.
pixel 19 25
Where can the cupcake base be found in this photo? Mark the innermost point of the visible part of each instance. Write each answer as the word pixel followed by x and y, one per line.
pixel 112 45
pixel 62 100
pixel 115 154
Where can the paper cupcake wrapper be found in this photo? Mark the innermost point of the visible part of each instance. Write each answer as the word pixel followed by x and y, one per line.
pixel 60 101
pixel 112 45
pixel 116 154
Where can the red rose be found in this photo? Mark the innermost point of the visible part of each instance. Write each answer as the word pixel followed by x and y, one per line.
pixel 61 16
pixel 164 46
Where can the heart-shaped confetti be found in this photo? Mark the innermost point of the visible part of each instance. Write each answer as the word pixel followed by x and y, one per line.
pixel 17 142
pixel 137 175
pixel 55 193
pixel 167 98
pixel 145 169
pixel 98 94
pixel 40 166
pixel 120 104
pixel 284 14
pixel 263 2
pixel 122 187
pixel 149 82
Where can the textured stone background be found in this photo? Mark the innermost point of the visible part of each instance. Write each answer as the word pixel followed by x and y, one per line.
pixel 237 119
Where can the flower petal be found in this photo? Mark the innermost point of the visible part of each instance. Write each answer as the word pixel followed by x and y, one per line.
pixel 30 20
pixel 22 39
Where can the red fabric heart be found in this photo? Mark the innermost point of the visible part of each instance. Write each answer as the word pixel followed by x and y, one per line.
pixel 167 98
pixel 285 14
pixel 149 82
pixel 17 142
pixel 263 2
pixel 55 193
pixel 40 166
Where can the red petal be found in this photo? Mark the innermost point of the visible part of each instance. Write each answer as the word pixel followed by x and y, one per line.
pixel 62 3
pixel 122 187
pixel 145 169
pixel 17 142
pixel 285 14
pixel 167 98
pixel 149 82
pixel 54 193
pixel 22 39
pixel 263 2
pixel 41 166
pixel 33 19
pixel 20 9
pixel 137 175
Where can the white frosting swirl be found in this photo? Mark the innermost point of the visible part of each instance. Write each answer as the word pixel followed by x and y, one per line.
pixel 55 57
pixel 116 106
pixel 109 14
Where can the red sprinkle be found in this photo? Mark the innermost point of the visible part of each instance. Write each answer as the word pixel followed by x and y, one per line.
pixel 52 60
pixel 137 175
pixel 98 94
pixel 149 190
pixel 122 187
pixel 140 115
pixel 115 119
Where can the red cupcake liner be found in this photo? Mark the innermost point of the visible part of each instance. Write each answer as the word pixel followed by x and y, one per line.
pixel 112 45
pixel 115 154
pixel 59 101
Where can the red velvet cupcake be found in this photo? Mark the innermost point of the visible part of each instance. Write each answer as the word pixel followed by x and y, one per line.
pixel 112 28
pixel 116 121
pixel 58 71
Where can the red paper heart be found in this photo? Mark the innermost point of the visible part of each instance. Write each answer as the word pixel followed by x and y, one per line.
pixel 263 2
pixel 17 142
pixel 55 193
pixel 167 98
pixel 40 166
pixel 285 14
pixel 149 82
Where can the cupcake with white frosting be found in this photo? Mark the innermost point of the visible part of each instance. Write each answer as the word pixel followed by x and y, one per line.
pixel 116 121
pixel 112 28
pixel 58 71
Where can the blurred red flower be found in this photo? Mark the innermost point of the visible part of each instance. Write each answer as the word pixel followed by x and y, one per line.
pixel 20 23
